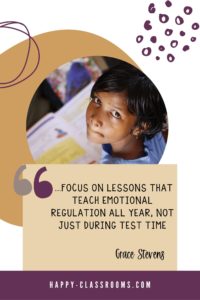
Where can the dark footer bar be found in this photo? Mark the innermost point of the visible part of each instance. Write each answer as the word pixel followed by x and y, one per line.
pixel 100 285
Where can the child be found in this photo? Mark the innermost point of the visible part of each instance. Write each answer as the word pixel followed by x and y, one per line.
pixel 127 116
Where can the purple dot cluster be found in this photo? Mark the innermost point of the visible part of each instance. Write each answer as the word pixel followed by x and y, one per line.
pixel 164 18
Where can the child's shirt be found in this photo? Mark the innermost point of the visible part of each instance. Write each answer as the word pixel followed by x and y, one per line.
pixel 153 149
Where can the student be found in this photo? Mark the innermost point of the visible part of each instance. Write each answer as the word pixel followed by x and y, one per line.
pixel 127 116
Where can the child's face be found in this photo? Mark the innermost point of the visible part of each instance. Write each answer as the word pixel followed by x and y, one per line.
pixel 108 119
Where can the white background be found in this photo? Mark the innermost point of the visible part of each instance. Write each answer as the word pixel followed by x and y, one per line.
pixel 120 22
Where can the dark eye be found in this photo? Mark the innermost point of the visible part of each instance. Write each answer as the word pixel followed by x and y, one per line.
pixel 115 114
pixel 96 100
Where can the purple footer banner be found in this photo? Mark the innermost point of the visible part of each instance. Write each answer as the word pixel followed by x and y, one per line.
pixel 100 285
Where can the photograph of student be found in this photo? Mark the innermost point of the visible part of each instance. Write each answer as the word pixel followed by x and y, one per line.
pixel 127 116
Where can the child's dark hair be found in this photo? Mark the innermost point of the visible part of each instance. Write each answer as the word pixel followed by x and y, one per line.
pixel 143 98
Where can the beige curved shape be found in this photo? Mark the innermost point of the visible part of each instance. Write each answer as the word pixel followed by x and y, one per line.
pixel 56 48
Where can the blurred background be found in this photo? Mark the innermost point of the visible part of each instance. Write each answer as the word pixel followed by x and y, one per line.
pixel 64 83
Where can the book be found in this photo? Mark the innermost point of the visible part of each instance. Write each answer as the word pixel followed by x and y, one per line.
pixel 61 137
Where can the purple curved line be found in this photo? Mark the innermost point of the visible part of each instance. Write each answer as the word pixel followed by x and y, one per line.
pixel 2 87
pixel 26 60
pixel 4 24
pixel 14 22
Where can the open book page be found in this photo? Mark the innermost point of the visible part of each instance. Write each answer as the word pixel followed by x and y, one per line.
pixel 61 137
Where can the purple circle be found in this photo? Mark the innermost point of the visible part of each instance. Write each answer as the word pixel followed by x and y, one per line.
pixel 153 39
pixel 139 38
pixel 157 57
pixel 146 51
pixel 179 20
pixel 151 8
pixel 163 18
pixel 170 57
pixel 186 48
pixel 174 43
pixel 188 10
pixel 193 39
pixel 182 33
pixel 147 25
pixel 168 32
pixel 161 48
pixel 168 3
pixel 195 26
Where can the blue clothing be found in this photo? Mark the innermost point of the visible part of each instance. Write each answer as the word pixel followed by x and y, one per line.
pixel 153 149
pixel 77 78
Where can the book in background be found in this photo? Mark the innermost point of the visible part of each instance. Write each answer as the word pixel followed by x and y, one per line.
pixel 61 137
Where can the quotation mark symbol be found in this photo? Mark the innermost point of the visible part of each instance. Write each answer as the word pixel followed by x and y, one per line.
pixel 22 186
pixel 42 189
